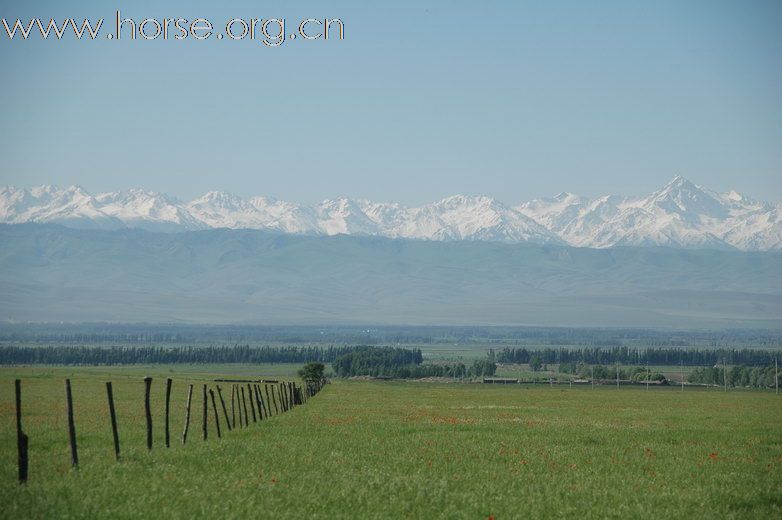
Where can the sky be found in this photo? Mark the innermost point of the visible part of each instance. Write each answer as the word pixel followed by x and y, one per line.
pixel 421 100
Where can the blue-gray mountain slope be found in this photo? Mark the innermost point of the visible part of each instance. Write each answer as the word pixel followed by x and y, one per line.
pixel 53 273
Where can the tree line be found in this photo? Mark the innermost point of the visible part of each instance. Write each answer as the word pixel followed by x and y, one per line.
pixel 81 355
pixel 396 362
pixel 630 355
pixel 737 376
pixel 347 361
pixel 535 337
pixel 601 372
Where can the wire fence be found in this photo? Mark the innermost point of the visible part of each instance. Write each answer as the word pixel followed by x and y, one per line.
pixel 266 399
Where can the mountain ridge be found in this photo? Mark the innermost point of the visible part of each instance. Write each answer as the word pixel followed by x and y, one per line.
pixel 50 272
pixel 680 214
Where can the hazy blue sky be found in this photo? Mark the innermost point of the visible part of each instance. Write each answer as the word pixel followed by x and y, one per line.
pixel 422 99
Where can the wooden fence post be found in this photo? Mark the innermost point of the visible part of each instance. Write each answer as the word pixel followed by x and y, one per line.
pixel 233 410
pixel 225 410
pixel 239 407
pixel 254 392
pixel 113 417
pixel 187 414
pixel 148 410
pixel 244 405
pixel 282 397
pixel 259 401
pixel 205 416
pixel 277 405
pixel 71 424
pixel 214 408
pixel 266 387
pixel 21 437
pixel 265 402
pixel 250 398
pixel 168 402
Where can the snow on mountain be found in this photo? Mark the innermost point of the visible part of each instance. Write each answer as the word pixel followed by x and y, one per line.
pixel 754 226
pixel 674 216
pixel 219 209
pixel 287 217
pixel 71 207
pixel 688 200
pixel 680 214
pixel 345 216
pixel 147 210
pixel 386 215
pixel 472 218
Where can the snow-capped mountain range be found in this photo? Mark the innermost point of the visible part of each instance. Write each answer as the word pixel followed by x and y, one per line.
pixel 681 214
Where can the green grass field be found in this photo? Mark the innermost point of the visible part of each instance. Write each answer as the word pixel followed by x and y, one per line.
pixel 397 449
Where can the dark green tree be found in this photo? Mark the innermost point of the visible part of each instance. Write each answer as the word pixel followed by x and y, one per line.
pixel 535 363
pixel 312 371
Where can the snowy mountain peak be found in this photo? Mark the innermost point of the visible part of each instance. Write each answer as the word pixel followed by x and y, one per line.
pixel 565 196
pixel 455 201
pixel 734 196
pixel 221 199
pixel 690 201
pixel 40 191
pixel 677 187
pixel 678 181
pixel 680 214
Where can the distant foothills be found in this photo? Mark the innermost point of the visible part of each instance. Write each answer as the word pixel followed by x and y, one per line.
pixel 52 273
pixel 679 215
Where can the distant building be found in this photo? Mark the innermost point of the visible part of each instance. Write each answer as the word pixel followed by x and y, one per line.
pixel 501 380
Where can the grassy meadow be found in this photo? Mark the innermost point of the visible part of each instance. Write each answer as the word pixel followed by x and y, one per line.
pixel 365 449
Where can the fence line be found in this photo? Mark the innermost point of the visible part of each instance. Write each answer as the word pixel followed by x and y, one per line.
pixel 288 396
